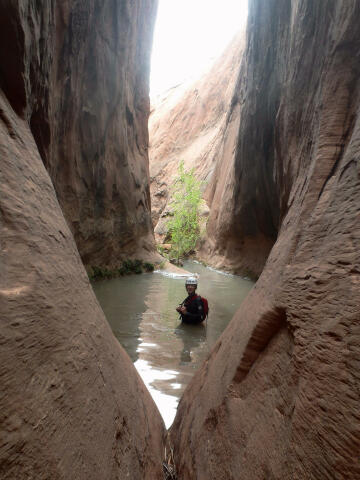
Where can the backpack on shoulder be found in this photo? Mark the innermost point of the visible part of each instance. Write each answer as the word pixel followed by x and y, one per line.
pixel 205 306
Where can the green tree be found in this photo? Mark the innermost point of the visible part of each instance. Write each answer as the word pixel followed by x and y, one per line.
pixel 184 226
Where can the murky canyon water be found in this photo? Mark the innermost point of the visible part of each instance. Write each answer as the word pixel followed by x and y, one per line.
pixel 166 353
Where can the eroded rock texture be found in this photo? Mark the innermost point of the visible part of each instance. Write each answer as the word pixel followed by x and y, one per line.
pixel 71 404
pixel 79 73
pixel 187 124
pixel 278 397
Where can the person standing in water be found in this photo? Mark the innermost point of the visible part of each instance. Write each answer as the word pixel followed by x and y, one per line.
pixel 191 309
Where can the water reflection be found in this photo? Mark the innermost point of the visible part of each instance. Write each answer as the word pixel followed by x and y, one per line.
pixel 123 302
pixel 191 337
pixel 141 312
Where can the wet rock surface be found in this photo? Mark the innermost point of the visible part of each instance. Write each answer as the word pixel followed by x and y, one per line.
pixel 278 396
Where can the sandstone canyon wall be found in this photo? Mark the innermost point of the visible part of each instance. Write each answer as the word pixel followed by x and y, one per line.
pixel 278 397
pixel 188 123
pixel 72 405
pixel 85 91
pixel 243 195
pixel 99 146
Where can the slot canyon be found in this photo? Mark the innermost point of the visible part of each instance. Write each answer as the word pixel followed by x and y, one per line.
pixel 274 130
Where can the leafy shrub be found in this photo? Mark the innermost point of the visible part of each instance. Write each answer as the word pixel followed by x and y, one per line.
pixel 128 267
pixel 184 226
pixel 137 266
pixel 149 267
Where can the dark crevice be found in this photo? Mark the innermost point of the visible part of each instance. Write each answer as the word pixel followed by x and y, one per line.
pixel 267 327
pixel 7 124
pixel 343 144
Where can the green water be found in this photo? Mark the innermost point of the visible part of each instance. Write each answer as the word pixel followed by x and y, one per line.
pixel 141 312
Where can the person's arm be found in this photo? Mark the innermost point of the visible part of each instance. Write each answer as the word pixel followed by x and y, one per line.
pixel 180 307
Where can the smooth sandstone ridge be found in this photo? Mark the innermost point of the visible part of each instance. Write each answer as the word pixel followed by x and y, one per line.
pixel 278 397
pixel 72 405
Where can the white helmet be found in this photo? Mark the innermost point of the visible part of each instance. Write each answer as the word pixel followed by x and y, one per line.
pixel 191 281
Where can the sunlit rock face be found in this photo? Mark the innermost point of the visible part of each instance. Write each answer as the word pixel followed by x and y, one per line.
pixel 278 396
pixel 187 124
pixel 85 93
pixel 72 405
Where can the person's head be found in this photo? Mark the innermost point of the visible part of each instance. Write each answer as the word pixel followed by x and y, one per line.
pixel 191 285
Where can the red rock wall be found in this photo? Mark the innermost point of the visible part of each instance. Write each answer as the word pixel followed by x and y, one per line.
pixel 244 213
pixel 188 123
pixel 82 77
pixel 278 396
pixel 72 405
pixel 99 147
pixel 199 123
